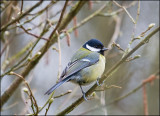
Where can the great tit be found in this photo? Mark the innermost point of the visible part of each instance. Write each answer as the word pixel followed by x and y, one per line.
pixel 86 66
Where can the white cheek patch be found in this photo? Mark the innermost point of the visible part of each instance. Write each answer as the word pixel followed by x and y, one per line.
pixel 92 48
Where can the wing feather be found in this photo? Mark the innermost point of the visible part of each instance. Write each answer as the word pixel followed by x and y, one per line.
pixel 77 65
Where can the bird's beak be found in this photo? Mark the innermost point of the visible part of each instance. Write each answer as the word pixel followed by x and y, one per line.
pixel 104 49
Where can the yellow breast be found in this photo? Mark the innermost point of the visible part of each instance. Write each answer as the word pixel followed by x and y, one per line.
pixel 93 72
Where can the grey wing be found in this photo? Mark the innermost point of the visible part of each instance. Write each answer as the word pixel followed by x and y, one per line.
pixel 69 65
pixel 77 65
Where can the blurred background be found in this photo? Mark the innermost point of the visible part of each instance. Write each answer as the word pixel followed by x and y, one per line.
pixel 107 27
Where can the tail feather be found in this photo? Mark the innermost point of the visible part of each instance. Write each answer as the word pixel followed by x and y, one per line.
pixel 57 85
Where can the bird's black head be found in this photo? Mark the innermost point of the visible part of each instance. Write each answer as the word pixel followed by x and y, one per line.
pixel 95 46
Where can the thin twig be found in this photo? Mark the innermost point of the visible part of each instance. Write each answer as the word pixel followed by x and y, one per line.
pixel 108 87
pixel 68 38
pixel 36 15
pixel 23 59
pixel 45 8
pixel 10 106
pixel 103 102
pixel 149 27
pixel 137 17
pixel 59 52
pixel 21 10
pixel 138 11
pixel 117 45
pixel 69 91
pixel 68 98
pixel 75 24
pixel 117 11
pixel 116 31
pixel 31 94
pixel 60 19
pixel 50 102
pixel 145 103
pixel 26 31
pixel 50 97
pixel 85 20
pixel 10 60
pixel 6 45
pixel 125 11
pixel 90 4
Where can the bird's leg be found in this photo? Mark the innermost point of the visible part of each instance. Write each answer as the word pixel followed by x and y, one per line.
pixel 98 82
pixel 84 96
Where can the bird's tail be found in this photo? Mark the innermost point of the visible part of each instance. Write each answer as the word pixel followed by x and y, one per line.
pixel 56 85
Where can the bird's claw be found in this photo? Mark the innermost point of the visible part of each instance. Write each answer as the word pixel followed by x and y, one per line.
pixel 98 82
pixel 84 96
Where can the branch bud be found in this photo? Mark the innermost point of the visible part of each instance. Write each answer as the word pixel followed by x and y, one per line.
pixel 38 53
pixel 51 100
pixel 151 25
pixel 94 94
pixel 25 90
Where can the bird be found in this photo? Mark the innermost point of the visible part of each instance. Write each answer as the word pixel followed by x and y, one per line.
pixel 86 66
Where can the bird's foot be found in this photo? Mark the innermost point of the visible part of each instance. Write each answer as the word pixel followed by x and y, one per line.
pixel 84 96
pixel 99 83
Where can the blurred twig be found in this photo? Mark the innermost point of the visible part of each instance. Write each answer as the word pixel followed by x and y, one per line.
pixel 10 106
pixel 26 31
pixel 69 91
pixel 90 4
pixel 103 102
pixel 23 59
pixel 6 45
pixel 60 19
pixel 45 8
pixel 145 103
pixel 108 87
pixel 117 11
pixel 21 16
pixel 116 31
pixel 125 11
pixel 85 20
pixel 5 5
pixel 7 62
pixel 21 10
pixel 137 17
pixel 59 52
pixel 149 79
pixel 75 24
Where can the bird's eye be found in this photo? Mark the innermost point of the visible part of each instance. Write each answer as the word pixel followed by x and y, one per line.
pixel 96 46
